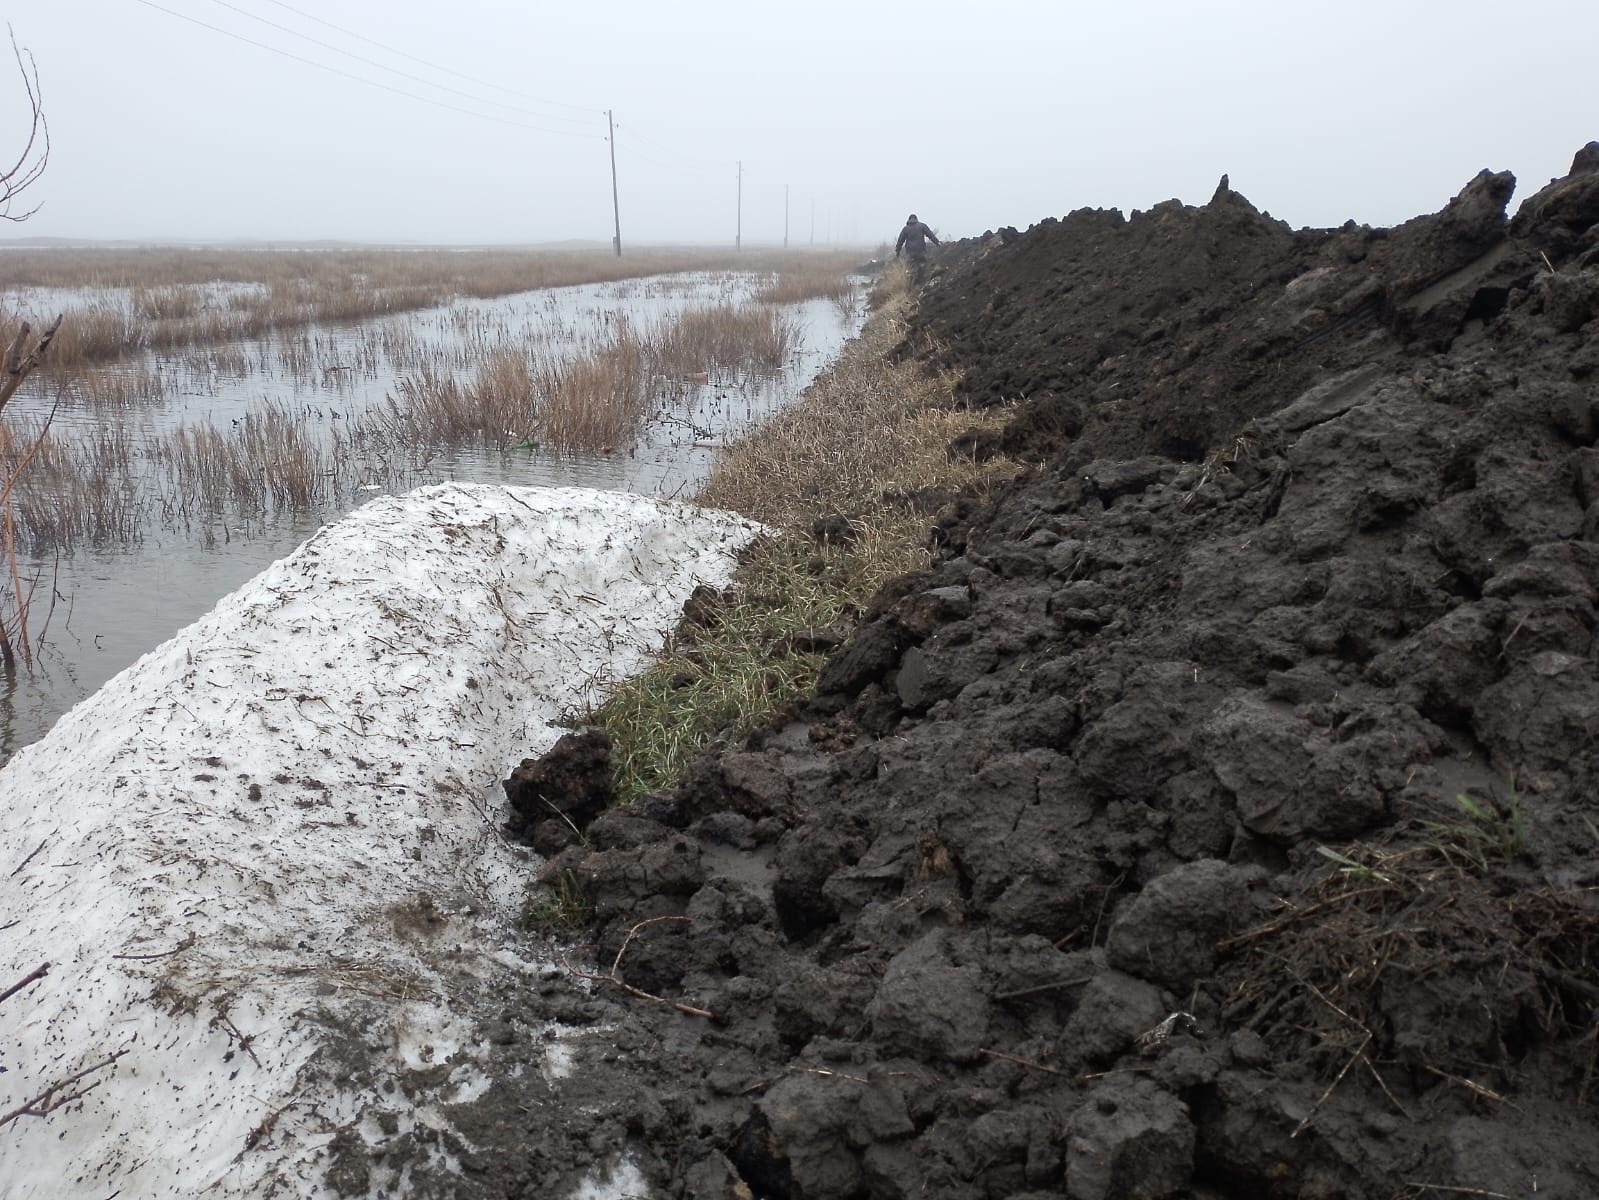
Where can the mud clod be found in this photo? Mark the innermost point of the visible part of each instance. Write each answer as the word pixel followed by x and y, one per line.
pixel 553 798
pixel 1119 852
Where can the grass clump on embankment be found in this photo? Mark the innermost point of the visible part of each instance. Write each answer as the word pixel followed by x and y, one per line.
pixel 867 432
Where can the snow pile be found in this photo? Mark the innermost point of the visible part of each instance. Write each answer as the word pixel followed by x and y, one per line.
pixel 263 862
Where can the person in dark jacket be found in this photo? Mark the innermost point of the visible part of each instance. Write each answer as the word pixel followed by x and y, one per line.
pixel 913 239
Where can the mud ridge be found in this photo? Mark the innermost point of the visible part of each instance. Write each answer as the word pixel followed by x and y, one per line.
pixel 1119 855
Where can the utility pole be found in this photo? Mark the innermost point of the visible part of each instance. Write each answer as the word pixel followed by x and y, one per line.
pixel 616 207
pixel 738 236
pixel 813 220
pixel 785 216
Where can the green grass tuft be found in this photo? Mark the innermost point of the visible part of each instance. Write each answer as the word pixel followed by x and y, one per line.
pixel 557 908
pixel 1493 831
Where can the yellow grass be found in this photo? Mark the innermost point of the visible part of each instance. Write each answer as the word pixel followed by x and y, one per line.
pixel 868 430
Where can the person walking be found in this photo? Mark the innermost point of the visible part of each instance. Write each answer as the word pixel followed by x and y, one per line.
pixel 913 239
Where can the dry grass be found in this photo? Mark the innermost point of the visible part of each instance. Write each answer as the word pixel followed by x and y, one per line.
pixel 177 298
pixel 268 460
pixel 1408 918
pixel 723 338
pixel 867 430
pixel 867 427
pixel 220 316
pixel 594 397
pixel 596 401
pixel 809 281
pixel 107 485
pixel 82 491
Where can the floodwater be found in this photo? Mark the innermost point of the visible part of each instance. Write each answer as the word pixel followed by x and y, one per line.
pixel 95 610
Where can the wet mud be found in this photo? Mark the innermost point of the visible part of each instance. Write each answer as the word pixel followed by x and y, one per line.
pixel 1121 855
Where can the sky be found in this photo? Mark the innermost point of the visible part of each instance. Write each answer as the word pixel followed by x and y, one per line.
pixel 483 121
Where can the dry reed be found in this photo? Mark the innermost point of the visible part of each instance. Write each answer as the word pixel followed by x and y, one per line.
pixel 866 427
pixel 724 338
pixel 817 281
pixel 595 401
pixel 109 482
pixel 869 430
pixel 173 299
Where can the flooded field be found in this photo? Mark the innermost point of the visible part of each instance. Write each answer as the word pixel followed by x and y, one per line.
pixel 162 480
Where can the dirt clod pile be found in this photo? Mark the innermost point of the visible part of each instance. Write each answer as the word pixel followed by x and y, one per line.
pixel 1217 817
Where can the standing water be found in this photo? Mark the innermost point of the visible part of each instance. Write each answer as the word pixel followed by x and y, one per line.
pixel 149 554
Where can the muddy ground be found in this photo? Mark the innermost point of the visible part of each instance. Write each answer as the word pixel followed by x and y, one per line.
pixel 1120 855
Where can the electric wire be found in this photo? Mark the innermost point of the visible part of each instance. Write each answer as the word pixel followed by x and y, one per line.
pixel 436 66
pixel 361 79
pixel 372 62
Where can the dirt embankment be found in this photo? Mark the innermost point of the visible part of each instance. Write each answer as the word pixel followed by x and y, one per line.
pixel 1119 856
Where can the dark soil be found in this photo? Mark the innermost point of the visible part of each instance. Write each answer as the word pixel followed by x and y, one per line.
pixel 1119 856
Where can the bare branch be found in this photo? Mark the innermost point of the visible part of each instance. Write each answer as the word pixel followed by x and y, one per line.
pixel 35 155
pixel 614 975
pixel 37 974
pixel 62 1093
pixel 17 365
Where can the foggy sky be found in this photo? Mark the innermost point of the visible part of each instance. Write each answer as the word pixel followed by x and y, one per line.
pixel 973 115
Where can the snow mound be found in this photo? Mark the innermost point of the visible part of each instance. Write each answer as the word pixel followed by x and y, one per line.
pixel 264 864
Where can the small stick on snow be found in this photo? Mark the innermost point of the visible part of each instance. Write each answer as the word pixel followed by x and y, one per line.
pixel 47 1101
pixel 178 949
pixel 37 973
pixel 244 1042
pixel 17 870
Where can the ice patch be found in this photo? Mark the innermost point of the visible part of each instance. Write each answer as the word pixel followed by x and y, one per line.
pixel 261 863
pixel 624 1182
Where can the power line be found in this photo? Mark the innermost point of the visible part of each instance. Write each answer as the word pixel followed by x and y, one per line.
pixel 372 62
pixel 675 160
pixel 683 157
pixel 361 79
pixel 436 66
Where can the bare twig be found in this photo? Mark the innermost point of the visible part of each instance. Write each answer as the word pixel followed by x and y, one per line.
pixel 1382 1083
pixel 244 1041
pixel 1457 1191
pixel 178 949
pixel 61 1093
pixel 1022 1062
pixel 1485 1093
pixel 614 975
pixel 822 1071
pixel 1298 914
pixel 1360 1053
pixel 35 154
pixel 33 976
pixel 18 365
pixel 1322 996
pixel 17 870
pixel 1044 987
